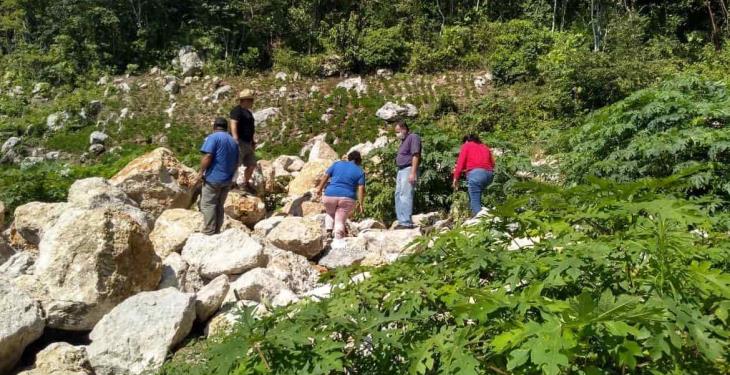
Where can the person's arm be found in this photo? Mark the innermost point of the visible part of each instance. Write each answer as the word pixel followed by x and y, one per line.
pixel 234 130
pixel 460 164
pixel 205 163
pixel 322 184
pixel 415 161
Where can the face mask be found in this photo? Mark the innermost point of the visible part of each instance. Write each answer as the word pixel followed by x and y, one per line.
pixel 401 135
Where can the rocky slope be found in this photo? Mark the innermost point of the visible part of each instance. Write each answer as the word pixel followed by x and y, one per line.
pixel 122 260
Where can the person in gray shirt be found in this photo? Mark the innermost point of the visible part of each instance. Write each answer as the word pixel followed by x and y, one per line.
pixel 407 160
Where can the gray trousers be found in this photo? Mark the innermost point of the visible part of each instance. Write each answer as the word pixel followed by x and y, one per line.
pixel 212 199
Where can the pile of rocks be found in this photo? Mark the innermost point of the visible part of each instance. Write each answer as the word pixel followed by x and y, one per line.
pixel 123 260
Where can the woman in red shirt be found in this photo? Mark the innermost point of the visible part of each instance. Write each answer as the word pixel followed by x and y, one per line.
pixel 475 158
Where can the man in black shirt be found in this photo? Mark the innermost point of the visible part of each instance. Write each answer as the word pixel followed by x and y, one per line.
pixel 242 130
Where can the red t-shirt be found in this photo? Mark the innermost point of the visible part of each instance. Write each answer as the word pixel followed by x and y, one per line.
pixel 473 155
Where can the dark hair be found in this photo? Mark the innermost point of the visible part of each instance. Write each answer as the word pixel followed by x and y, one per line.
pixel 402 124
pixel 220 123
pixel 471 138
pixel 355 156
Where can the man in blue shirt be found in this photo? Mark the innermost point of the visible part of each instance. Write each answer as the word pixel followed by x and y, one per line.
pixel 217 167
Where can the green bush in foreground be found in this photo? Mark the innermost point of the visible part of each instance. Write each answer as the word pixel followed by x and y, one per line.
pixel 619 279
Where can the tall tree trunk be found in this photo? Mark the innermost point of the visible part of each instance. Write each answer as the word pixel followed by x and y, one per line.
pixel 555 13
pixel 715 36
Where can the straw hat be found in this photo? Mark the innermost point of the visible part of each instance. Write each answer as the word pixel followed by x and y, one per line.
pixel 245 94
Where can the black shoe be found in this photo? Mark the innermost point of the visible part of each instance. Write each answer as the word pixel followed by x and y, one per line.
pixel 404 226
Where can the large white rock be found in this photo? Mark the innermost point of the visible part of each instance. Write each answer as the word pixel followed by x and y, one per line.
pixel 260 285
pixel 90 261
pixel 298 235
pixel 20 263
pixel 245 208
pixel 308 177
pixel 209 298
pixel 351 251
pixel 229 253
pixel 366 148
pixel 386 246
pixel 261 117
pixel 224 321
pixel 190 62
pixel 57 121
pixel 60 358
pixel 321 150
pixel 96 192
pixel 21 323
pixel 157 181
pixel 391 111
pixel 31 221
pixel 293 269
pixel 263 227
pixel 173 228
pixel 137 335
pixel 177 274
pixel 355 83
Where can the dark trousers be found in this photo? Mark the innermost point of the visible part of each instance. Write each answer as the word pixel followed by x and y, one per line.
pixel 212 199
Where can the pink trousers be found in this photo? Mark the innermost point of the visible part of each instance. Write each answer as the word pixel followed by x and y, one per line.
pixel 338 209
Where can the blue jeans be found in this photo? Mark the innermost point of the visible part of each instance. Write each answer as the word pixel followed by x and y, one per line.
pixel 477 180
pixel 404 197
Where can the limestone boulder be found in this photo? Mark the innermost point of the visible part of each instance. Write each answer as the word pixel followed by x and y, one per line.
pixel 245 208
pixel 173 228
pixel 90 261
pixel 137 335
pixel 157 181
pixel 209 299
pixel 298 235
pixel 190 63
pixel 223 322
pixel 31 221
pixel 260 285
pixel 21 263
pixel 263 227
pixel 309 177
pixel 21 323
pixel 321 150
pixel 96 192
pixel 353 250
pixel 229 253
pixel 356 83
pixel 312 208
pixel 177 274
pixel 391 111
pixel 386 246
pixel 60 358
pixel 293 269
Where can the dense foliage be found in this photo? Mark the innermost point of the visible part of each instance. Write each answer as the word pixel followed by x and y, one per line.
pixel 606 285
pixel 657 132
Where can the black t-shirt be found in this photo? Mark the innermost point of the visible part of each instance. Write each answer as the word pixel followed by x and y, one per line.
pixel 246 127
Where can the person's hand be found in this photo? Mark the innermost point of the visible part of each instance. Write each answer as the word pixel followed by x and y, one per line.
pixel 455 184
pixel 360 208
pixel 412 179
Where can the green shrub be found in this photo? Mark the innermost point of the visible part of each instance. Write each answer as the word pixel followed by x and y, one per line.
pixel 448 50
pixel 382 48
pixel 290 61
pixel 658 132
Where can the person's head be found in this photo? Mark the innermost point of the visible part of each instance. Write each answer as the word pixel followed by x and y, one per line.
pixel 355 157
pixel 220 123
pixel 245 98
pixel 401 129
pixel 471 138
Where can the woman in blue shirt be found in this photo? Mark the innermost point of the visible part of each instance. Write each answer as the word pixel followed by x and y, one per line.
pixel 346 183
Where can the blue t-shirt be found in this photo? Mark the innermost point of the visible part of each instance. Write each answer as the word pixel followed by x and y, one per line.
pixel 345 177
pixel 225 157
